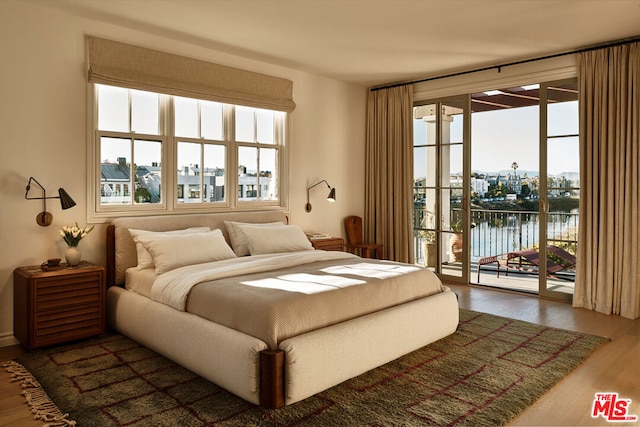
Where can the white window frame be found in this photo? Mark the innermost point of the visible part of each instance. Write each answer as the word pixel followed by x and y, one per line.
pixel 99 213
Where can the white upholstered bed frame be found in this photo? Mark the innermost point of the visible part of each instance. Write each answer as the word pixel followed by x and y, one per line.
pixel 303 366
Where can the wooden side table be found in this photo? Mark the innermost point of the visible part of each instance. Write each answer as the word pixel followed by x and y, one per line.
pixel 59 305
pixel 328 243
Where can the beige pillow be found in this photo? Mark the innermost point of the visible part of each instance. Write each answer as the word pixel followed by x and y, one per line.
pixel 275 239
pixel 172 251
pixel 237 237
pixel 144 258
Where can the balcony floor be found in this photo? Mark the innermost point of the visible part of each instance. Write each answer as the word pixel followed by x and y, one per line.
pixel 515 280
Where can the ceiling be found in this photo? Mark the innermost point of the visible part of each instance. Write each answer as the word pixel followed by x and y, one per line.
pixel 373 42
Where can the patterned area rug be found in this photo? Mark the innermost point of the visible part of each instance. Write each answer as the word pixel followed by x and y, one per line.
pixel 484 374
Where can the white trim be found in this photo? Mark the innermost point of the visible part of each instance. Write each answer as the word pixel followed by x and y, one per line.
pixel 7 339
pixel 559 68
pixel 93 178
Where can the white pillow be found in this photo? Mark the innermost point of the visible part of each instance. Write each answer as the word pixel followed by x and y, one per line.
pixel 237 237
pixel 173 251
pixel 144 258
pixel 275 239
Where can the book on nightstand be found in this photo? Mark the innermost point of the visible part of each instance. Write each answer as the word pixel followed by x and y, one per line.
pixel 317 236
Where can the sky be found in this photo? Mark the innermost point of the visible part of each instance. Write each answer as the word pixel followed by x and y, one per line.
pixel 501 137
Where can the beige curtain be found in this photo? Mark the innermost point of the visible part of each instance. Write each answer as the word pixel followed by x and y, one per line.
pixel 389 171
pixel 607 277
pixel 135 67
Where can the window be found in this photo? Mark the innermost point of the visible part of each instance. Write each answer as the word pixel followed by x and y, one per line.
pixel 157 152
pixel 257 156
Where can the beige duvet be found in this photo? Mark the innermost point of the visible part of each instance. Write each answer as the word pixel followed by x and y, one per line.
pixel 295 297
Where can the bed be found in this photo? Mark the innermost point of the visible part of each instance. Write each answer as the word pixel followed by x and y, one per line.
pixel 179 284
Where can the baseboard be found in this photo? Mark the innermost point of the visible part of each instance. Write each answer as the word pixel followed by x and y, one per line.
pixel 8 339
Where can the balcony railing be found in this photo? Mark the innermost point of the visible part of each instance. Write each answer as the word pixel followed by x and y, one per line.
pixel 497 232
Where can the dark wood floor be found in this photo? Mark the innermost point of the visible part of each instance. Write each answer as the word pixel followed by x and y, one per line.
pixel 615 367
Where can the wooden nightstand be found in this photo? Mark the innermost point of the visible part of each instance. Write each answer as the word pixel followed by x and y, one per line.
pixel 328 243
pixel 59 305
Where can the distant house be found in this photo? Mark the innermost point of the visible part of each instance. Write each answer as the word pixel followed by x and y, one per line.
pixel 479 185
pixel 149 177
pixel 115 182
pixel 514 183
pixel 190 181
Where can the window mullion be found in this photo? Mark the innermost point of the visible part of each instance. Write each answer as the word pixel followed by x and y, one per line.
pixel 132 171
pixel 201 162
pixel 169 152
pixel 232 153
pixel 201 166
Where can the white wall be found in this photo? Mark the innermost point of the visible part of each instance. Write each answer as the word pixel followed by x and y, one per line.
pixel 43 134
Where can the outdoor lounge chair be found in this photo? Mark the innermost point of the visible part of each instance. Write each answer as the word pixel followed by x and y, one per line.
pixel 564 257
pixel 559 259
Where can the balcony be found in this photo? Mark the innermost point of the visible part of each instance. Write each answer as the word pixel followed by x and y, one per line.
pixel 497 233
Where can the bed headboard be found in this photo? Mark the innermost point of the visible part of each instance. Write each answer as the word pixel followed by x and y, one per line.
pixel 121 249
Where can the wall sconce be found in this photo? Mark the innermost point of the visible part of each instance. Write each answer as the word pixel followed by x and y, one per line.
pixel 331 197
pixel 44 218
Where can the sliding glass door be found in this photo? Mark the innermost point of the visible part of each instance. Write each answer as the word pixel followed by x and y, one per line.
pixel 526 187
pixel 496 187
pixel 561 167
pixel 440 189
pixel 505 160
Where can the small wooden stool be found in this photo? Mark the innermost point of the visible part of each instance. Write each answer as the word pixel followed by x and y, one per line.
pixel 488 260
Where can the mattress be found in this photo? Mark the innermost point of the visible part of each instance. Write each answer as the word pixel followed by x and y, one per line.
pixel 140 281
pixel 281 303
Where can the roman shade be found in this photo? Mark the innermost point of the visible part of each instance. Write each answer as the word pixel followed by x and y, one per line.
pixel 119 64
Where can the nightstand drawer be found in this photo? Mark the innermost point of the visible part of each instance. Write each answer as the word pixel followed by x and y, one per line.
pixel 61 293
pixel 60 326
